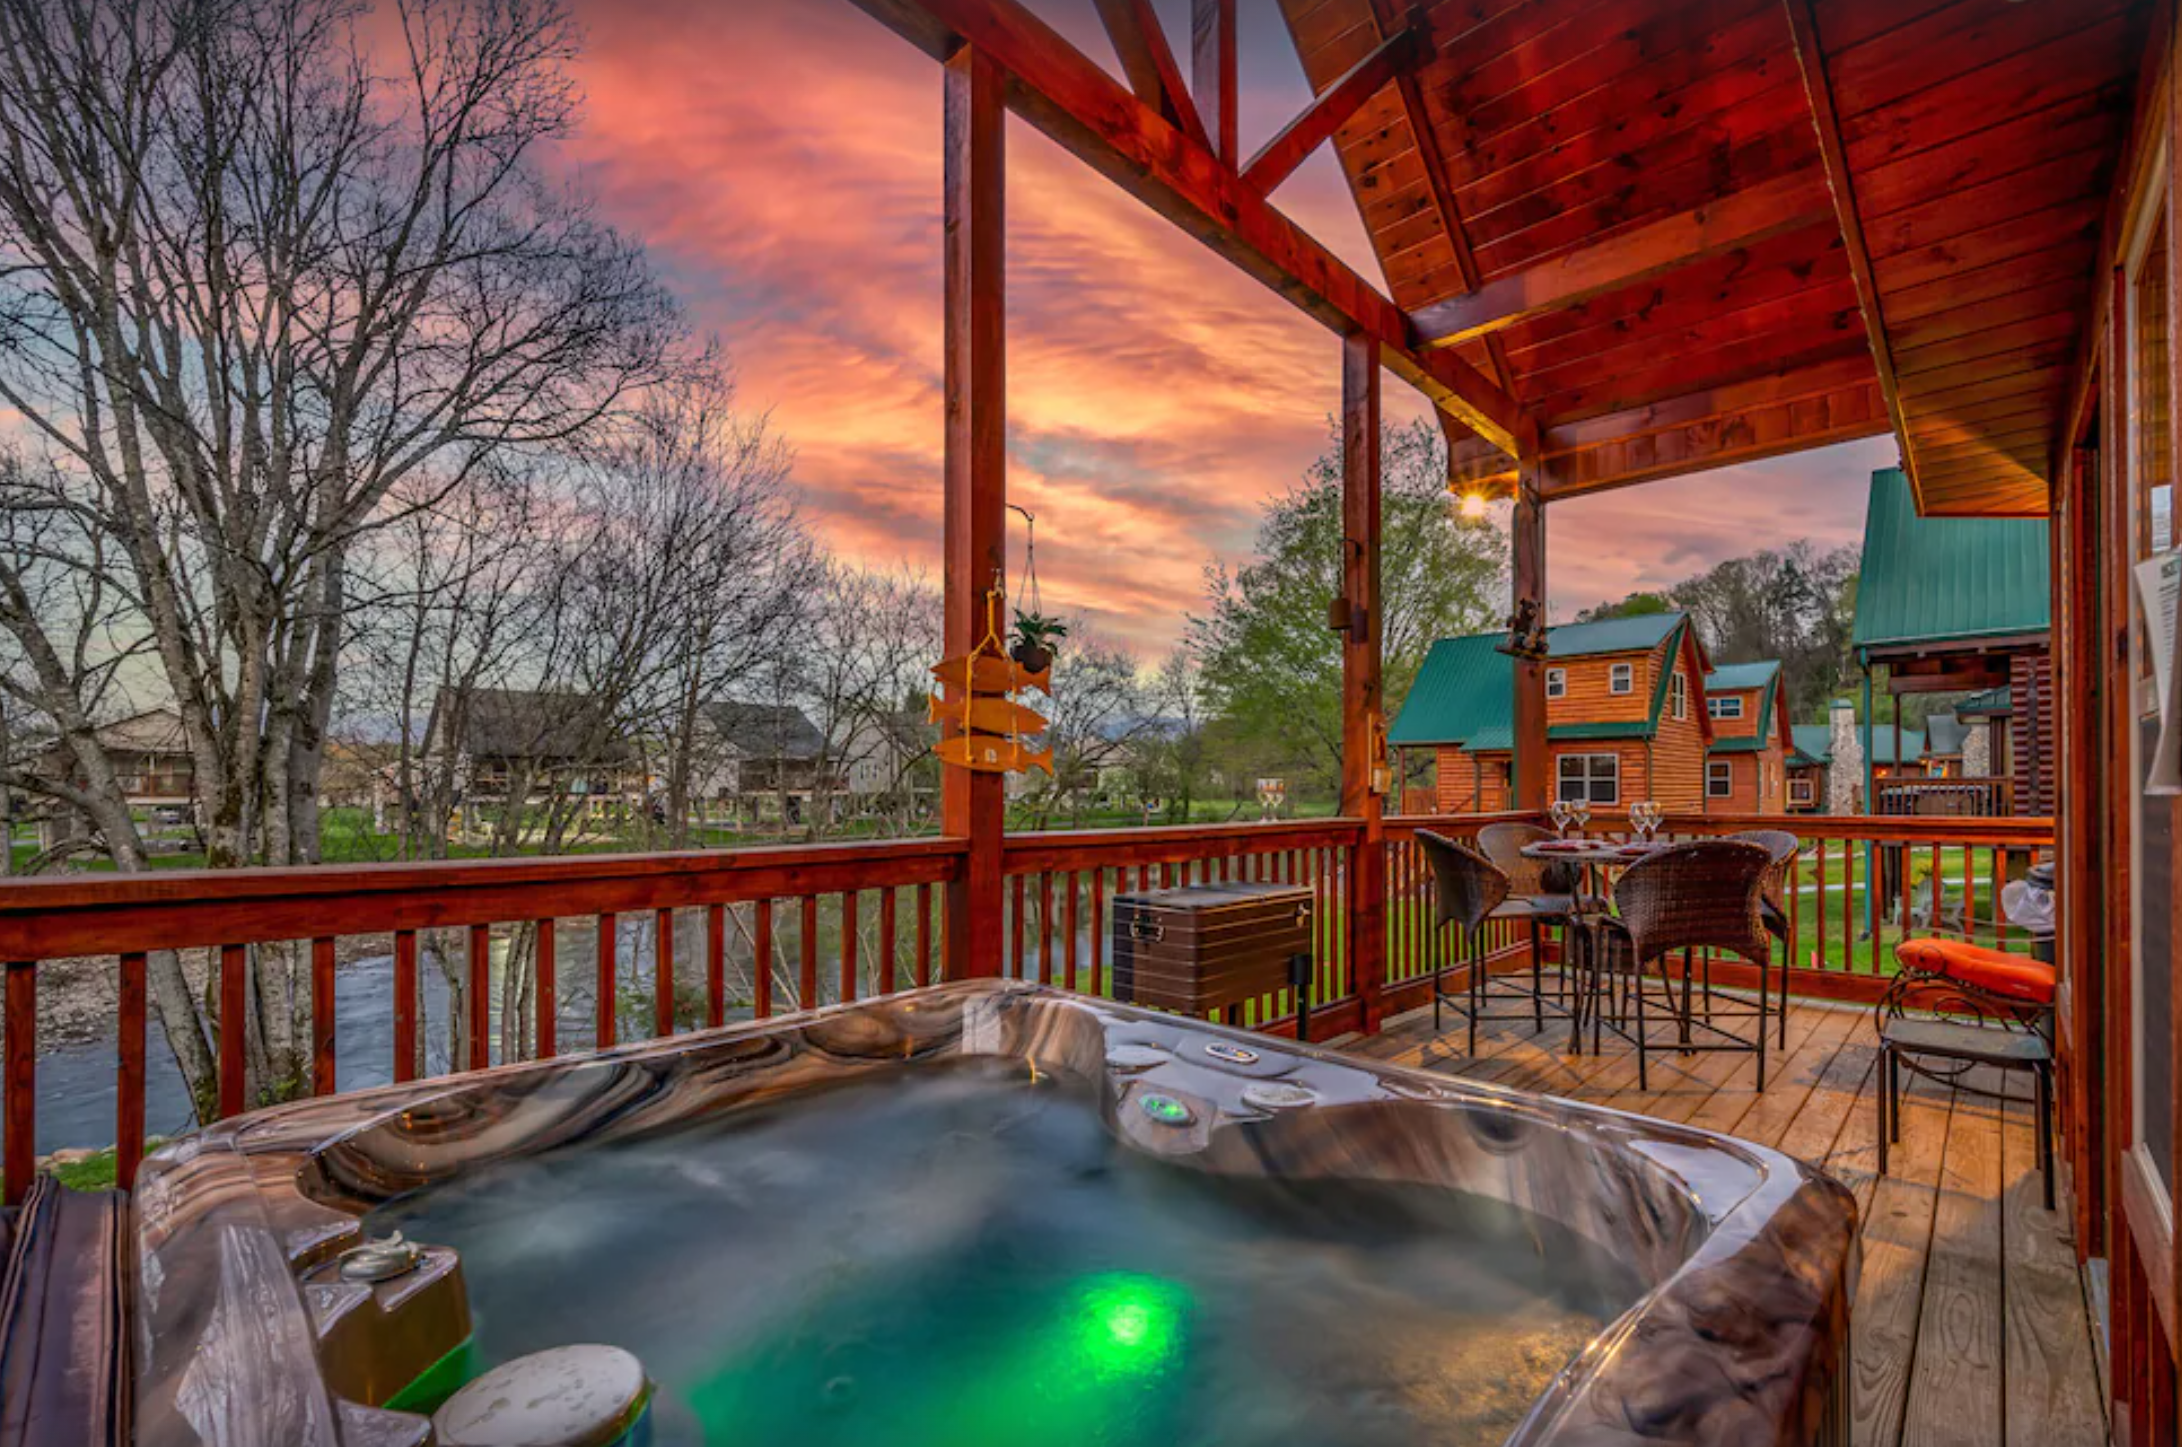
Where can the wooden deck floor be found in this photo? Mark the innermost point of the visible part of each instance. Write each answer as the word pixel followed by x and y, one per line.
pixel 1970 1324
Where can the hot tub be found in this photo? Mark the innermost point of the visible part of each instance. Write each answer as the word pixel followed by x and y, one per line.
pixel 991 1212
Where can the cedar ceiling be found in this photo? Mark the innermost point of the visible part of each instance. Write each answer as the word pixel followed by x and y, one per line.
pixel 1978 138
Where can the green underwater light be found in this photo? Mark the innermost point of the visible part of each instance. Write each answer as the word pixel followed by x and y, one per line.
pixel 1086 1361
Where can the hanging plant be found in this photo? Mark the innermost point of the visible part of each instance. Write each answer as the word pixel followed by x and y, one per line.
pixel 1035 635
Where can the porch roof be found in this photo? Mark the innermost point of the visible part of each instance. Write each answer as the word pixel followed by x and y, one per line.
pixel 1931 582
pixel 1465 693
pixel 1684 234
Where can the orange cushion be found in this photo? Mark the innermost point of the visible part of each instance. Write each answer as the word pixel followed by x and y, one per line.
pixel 2018 977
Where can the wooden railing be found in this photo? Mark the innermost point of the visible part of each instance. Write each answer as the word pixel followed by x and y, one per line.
pixel 1989 798
pixel 795 919
pixel 746 933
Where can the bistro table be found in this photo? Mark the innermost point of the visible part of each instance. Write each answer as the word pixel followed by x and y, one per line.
pixel 1594 857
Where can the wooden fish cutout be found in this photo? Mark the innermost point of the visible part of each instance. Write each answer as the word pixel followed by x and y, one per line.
pixel 988 715
pixel 985 673
pixel 991 754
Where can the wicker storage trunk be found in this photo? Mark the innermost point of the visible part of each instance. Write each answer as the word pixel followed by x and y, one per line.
pixel 1203 947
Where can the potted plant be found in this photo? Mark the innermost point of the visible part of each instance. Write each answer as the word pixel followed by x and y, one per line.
pixel 1035 635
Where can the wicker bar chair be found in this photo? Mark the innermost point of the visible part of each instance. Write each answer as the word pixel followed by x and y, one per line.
pixel 1772 903
pixel 1541 893
pixel 1701 895
pixel 1470 891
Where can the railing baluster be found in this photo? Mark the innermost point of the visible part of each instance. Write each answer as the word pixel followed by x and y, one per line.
pixel 761 957
pixel 807 983
pixel 19 1037
pixel 1999 857
pixel 1098 928
pixel 1818 904
pixel 323 1015
pixel 479 991
pixel 129 1096
pixel 234 1028
pixel 547 991
pixel 1969 891
pixel 1045 927
pixel 608 948
pixel 1848 906
pixel 886 938
pixel 1068 979
pixel 1015 924
pixel 849 982
pixel 716 965
pixel 663 974
pixel 924 934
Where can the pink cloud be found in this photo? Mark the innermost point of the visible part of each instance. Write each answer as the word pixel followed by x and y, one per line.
pixel 783 160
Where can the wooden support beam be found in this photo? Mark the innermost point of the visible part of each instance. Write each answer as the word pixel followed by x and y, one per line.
pixel 1527 529
pixel 1721 439
pixel 1070 99
pixel 1429 156
pixel 1833 158
pixel 1363 701
pixel 1149 63
pixel 1735 222
pixel 1278 158
pixel 1212 72
pixel 972 805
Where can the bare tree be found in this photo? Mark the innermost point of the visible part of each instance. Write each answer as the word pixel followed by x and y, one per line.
pixel 869 638
pixel 1097 711
pixel 249 287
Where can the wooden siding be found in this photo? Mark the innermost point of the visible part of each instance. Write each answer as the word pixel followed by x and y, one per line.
pixel 1758 783
pixel 1738 728
pixel 2030 732
pixel 1459 774
pixel 1590 697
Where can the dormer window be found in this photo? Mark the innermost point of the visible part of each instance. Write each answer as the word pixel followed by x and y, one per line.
pixel 1678 696
pixel 1621 678
pixel 1729 706
pixel 1556 683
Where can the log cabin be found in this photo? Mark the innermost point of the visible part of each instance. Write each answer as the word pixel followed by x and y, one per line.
pixel 1746 764
pixel 1625 715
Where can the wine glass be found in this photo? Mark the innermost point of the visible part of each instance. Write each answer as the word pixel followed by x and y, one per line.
pixel 1580 811
pixel 1560 816
pixel 1644 818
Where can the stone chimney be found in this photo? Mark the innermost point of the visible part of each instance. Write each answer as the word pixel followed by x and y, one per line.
pixel 1845 775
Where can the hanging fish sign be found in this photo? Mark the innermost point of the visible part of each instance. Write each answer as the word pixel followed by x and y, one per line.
pixel 990 726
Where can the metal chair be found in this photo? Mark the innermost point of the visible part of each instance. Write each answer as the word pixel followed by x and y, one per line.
pixel 1772 905
pixel 1703 895
pixel 1471 890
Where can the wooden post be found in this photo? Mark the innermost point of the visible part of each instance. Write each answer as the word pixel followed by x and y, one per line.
pixel 972 804
pixel 1528 530
pixel 2075 663
pixel 1362 704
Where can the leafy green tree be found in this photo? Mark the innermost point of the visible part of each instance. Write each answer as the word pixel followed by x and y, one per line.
pixel 1271 667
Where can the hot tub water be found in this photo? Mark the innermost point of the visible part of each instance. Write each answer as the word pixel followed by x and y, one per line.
pixel 965 1257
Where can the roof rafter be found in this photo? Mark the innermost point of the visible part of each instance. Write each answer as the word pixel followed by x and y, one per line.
pixel 1732 223
pixel 1071 100
pixel 1278 158
pixel 1149 63
pixel 1833 158
pixel 1212 71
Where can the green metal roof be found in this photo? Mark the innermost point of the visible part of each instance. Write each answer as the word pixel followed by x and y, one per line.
pixel 1465 693
pixel 1814 743
pixel 1946 580
pixel 1731 676
pixel 1991 701
pixel 1611 635
pixel 1747 745
pixel 1882 744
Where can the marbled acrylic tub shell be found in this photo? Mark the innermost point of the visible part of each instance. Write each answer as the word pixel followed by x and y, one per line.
pixel 1748 1256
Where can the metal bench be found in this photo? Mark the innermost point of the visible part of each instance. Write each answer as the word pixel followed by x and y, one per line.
pixel 1967 1045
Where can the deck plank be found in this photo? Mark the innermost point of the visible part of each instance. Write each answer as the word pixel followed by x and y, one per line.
pixel 2051 1397
pixel 1970 1323
pixel 1955 1391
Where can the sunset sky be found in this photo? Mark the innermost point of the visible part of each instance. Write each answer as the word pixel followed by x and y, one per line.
pixel 782 159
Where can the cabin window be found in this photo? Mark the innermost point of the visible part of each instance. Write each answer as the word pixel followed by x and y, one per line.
pixel 1799 790
pixel 1719 778
pixel 1728 707
pixel 1621 678
pixel 1556 683
pixel 1590 778
pixel 1678 696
